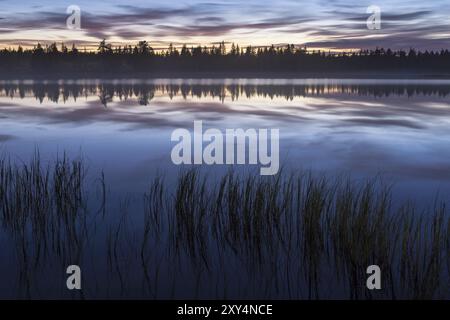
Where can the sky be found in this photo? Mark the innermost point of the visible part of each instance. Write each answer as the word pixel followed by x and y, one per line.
pixel 316 24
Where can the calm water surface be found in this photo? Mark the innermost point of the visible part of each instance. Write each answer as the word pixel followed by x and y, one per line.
pixel 395 129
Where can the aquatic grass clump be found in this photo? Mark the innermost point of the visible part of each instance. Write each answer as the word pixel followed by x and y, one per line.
pixel 424 254
pixel 360 232
pixel 297 235
pixel 43 209
pixel 318 230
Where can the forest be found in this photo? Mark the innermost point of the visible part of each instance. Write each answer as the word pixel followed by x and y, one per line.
pixel 142 59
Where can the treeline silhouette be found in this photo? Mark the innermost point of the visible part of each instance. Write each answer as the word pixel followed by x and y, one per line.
pixel 143 59
pixel 145 92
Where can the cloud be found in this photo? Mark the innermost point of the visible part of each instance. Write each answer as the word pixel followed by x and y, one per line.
pixel 5 31
pixel 225 28
pixel 340 28
pixel 385 16
pixel 129 34
pixel 210 20
pixel 416 40
pixel 98 25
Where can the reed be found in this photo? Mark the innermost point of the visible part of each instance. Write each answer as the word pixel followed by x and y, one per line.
pixel 296 235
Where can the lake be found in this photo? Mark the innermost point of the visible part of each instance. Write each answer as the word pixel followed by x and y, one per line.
pixel 395 131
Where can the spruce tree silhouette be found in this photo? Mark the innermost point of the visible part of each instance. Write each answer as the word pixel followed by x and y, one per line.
pixel 54 60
